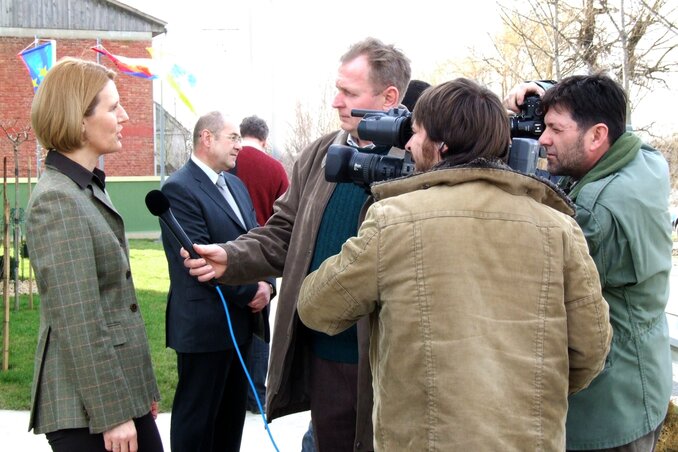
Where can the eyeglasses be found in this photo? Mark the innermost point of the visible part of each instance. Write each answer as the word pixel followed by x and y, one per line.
pixel 235 138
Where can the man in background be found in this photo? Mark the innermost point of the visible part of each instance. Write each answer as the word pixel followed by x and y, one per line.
pixel 264 176
pixel 414 90
pixel 266 181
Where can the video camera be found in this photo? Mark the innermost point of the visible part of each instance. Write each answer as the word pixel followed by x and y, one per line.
pixel 529 122
pixel 394 128
pixel 526 127
pixel 387 128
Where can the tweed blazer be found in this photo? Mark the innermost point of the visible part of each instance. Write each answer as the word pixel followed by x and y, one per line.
pixel 92 363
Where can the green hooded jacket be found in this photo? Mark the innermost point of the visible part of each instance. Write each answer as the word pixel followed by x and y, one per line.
pixel 622 207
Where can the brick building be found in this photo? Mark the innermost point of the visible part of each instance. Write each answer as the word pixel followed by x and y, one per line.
pixel 78 25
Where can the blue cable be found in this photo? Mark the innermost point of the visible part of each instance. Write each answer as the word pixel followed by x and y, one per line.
pixel 242 363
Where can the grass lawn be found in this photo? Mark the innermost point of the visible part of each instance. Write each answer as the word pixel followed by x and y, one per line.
pixel 149 269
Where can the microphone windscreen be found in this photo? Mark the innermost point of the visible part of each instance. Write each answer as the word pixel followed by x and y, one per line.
pixel 157 203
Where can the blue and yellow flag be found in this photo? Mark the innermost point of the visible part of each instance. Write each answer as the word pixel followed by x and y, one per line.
pixel 38 60
pixel 180 79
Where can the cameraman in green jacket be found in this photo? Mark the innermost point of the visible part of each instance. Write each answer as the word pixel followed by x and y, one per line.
pixel 620 187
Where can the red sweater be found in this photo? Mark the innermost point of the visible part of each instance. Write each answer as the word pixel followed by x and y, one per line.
pixel 264 177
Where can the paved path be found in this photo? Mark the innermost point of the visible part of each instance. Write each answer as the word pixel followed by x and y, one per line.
pixel 287 433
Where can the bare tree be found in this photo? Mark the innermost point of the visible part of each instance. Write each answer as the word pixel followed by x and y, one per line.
pixel 473 66
pixel 17 135
pixel 635 40
pixel 669 147
pixel 647 43
pixel 309 124
pixel 528 47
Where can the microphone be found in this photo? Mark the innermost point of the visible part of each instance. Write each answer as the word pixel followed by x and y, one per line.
pixel 158 204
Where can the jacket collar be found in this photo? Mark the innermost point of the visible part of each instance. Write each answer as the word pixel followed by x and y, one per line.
pixel 77 173
pixel 618 156
pixel 83 178
pixel 499 175
pixel 209 187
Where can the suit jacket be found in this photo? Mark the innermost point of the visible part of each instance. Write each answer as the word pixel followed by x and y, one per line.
pixel 92 364
pixel 195 320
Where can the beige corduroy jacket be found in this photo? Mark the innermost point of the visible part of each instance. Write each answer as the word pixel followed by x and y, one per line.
pixel 486 310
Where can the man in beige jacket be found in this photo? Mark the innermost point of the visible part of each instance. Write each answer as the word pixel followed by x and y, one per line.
pixel 486 307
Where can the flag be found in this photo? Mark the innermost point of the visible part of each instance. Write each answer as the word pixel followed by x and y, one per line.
pixel 38 59
pixel 152 68
pixel 138 67
pixel 180 80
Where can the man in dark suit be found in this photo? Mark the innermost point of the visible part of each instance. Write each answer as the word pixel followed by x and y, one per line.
pixel 208 413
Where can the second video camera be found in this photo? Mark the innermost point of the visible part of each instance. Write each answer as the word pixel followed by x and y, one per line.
pixel 530 121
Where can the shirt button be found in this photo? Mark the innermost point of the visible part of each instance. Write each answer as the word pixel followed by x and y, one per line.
pixel 133 307
pixel 128 274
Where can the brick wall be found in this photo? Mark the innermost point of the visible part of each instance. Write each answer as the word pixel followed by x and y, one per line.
pixel 136 95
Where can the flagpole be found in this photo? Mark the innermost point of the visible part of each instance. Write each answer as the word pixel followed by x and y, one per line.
pixel 37 144
pixel 162 135
pixel 32 44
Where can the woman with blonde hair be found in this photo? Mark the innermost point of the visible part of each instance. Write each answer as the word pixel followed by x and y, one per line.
pixel 93 385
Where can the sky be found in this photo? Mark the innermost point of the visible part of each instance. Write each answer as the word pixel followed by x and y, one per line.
pixel 262 56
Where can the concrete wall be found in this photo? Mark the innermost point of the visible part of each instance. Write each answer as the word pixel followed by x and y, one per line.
pixel 127 193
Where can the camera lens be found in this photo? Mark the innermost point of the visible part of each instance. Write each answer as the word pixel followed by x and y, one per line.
pixel 346 164
pixel 387 129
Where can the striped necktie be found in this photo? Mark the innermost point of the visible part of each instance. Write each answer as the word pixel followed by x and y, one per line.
pixel 228 196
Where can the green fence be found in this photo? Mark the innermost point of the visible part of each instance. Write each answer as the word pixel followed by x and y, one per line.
pixel 127 194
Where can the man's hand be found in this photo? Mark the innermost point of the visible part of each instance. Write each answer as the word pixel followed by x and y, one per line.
pixel 121 438
pixel 261 298
pixel 516 97
pixel 212 265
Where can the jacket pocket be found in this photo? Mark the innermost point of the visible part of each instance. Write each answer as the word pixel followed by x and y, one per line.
pixel 613 354
pixel 117 333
